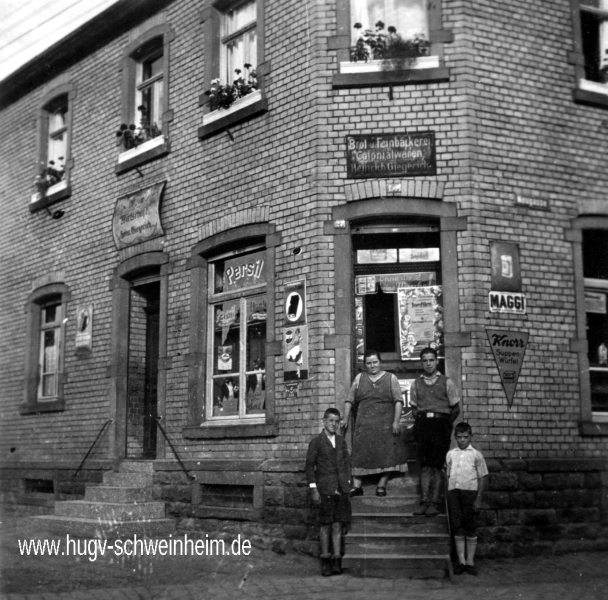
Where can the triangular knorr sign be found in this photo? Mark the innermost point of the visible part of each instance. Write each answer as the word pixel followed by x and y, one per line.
pixel 508 348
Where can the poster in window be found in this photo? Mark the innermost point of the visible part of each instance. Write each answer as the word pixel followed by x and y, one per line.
pixel 84 327
pixel 295 353
pixel 595 302
pixel 359 310
pixel 420 320
pixel 224 358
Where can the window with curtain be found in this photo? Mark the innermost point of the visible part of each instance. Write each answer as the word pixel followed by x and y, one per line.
pixel 50 344
pixel 150 87
pixel 238 40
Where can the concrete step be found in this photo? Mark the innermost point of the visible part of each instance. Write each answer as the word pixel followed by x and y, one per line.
pixel 395 522
pixel 128 479
pixel 111 530
pixel 393 544
pixel 388 504
pixel 136 466
pixel 108 511
pixel 397 565
pixel 107 493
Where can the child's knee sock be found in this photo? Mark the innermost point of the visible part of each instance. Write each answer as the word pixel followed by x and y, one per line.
pixel 325 537
pixel 460 548
pixel 471 547
pixel 336 538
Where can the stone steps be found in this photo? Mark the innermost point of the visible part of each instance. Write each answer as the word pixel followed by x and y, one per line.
pixel 388 540
pixel 123 505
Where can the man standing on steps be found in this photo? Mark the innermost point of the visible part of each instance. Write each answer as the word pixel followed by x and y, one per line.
pixel 435 405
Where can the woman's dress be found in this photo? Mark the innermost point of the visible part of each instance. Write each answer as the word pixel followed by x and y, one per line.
pixel 375 448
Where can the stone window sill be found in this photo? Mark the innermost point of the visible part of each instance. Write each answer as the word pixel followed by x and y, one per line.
pixel 237 430
pixel 426 69
pixel 129 159
pixel 56 192
pixel 591 92
pixel 593 428
pixel 244 108
pixel 35 408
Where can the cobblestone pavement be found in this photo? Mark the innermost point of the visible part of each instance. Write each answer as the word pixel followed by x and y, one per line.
pixel 264 574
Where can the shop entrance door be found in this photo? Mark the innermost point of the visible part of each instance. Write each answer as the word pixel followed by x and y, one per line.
pixel 398 300
pixel 142 400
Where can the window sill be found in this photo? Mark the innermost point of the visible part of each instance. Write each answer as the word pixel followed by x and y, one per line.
pixel 593 428
pixel 147 151
pixel 56 192
pixel 244 108
pixel 212 431
pixel 591 92
pixel 36 408
pixel 426 69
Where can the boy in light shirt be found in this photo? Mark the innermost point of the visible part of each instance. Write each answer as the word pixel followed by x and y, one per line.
pixel 467 477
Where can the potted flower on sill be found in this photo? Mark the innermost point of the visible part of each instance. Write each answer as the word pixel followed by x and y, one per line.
pixel 223 96
pixel 395 52
pixel 131 136
pixel 48 177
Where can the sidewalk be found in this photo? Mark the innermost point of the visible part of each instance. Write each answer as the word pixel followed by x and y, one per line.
pixel 265 574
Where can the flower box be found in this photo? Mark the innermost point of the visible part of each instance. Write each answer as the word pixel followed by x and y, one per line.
pixel 376 66
pixel 141 149
pixel 50 191
pixel 237 105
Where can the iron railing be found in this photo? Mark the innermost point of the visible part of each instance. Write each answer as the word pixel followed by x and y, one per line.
pixel 179 460
pixel 92 446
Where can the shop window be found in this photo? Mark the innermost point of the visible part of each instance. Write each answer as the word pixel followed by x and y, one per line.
pixel 389 41
pixel 44 371
pixel 595 270
pixel 590 56
pixel 143 132
pixel 52 179
pixel 234 49
pixel 237 314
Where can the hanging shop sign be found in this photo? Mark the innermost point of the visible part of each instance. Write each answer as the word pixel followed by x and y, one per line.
pixel 508 348
pixel 84 327
pixel 506 302
pixel 295 353
pixel 295 303
pixel 420 320
pixel 137 218
pixel 392 155
pixel 506 275
pixel 244 271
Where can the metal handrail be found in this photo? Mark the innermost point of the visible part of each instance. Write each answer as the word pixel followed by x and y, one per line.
pixel 92 446
pixel 179 460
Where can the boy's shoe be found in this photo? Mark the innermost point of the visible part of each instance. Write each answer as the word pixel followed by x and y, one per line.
pixel 432 510
pixel 422 508
pixel 381 491
pixel 336 566
pixel 459 569
pixel 471 570
pixel 357 491
pixel 326 567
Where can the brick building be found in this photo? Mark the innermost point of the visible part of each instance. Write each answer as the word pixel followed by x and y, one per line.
pixel 225 270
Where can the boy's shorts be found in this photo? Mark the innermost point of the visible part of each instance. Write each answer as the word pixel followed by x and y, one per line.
pixel 334 508
pixel 461 504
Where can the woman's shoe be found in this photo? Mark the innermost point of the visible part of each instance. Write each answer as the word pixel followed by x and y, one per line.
pixel 356 491
pixel 380 491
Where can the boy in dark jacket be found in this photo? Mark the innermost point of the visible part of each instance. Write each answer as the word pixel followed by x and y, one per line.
pixel 328 471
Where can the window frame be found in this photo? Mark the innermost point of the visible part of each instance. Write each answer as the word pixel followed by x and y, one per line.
pixel 350 76
pixel 200 425
pixel 257 103
pixel 132 63
pixel 588 425
pixel 586 91
pixel 37 300
pixel 63 189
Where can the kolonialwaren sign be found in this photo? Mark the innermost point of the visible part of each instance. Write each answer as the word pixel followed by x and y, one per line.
pixel 393 155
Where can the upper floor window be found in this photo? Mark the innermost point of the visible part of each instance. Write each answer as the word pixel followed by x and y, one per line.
pixel 145 115
pixel 595 271
pixel 239 40
pixel 237 314
pixel 52 179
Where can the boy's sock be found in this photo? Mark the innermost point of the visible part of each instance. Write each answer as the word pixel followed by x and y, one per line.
pixel 471 547
pixel 460 546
